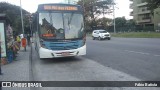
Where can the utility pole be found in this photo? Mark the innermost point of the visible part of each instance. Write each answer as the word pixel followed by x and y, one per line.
pixel 114 16
pixel 22 18
pixel 22 25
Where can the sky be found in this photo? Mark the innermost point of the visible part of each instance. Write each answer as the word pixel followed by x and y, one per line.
pixel 122 6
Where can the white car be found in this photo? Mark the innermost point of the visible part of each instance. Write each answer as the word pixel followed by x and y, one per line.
pixel 100 34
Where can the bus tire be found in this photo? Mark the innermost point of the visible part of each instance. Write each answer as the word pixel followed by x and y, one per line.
pixel 41 58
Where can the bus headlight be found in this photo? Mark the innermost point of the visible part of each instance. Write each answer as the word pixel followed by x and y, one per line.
pixel 42 44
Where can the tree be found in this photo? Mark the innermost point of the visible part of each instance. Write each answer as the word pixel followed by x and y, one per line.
pixel 153 4
pixel 131 22
pixel 94 8
pixel 103 23
pixel 13 16
pixel 131 25
pixel 120 21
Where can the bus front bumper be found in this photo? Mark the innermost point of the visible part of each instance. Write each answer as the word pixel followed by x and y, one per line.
pixel 46 53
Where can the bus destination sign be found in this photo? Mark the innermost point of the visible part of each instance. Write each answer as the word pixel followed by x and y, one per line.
pixel 65 8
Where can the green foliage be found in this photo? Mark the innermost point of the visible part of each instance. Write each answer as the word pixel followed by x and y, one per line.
pixel 120 21
pixel 13 16
pixel 95 8
pixel 153 4
pixel 123 25
pixel 138 35
pixel 103 23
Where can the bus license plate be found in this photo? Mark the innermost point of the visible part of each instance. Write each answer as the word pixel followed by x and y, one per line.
pixel 65 53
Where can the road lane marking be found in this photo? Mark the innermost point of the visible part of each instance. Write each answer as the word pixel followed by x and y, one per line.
pixel 157 55
pixel 137 52
pixel 141 53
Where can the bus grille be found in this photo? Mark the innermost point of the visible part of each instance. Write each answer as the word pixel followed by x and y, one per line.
pixel 64 45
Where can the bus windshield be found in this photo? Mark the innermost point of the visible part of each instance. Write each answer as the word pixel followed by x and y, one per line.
pixel 61 25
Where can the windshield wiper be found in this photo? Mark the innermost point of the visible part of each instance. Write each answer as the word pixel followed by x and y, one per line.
pixel 69 21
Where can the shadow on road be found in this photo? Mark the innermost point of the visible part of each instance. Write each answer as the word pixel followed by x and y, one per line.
pixel 60 60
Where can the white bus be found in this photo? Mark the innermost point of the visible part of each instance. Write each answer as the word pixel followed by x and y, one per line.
pixel 59 30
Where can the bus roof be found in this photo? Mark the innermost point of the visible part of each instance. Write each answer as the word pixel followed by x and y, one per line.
pixel 59 7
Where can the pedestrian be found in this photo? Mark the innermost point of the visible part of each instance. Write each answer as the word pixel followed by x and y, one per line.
pixel 28 39
pixel 18 40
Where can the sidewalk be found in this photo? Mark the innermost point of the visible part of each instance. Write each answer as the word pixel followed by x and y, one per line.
pixel 17 70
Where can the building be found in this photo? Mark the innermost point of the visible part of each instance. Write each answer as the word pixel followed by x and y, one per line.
pixel 142 15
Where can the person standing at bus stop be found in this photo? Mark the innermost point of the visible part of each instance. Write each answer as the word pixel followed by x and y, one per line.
pixel 18 39
pixel 28 39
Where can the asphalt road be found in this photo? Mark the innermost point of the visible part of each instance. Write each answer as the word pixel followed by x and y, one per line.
pixel 118 59
pixel 138 57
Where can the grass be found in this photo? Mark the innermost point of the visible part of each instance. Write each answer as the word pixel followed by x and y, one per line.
pixel 137 35
pixel 134 35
